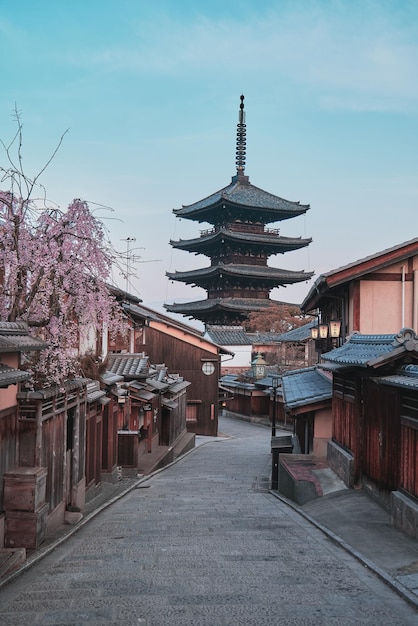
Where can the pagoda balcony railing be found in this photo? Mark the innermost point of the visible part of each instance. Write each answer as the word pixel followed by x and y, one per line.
pixel 243 228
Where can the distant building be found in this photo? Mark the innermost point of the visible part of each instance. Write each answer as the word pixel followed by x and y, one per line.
pixel 238 280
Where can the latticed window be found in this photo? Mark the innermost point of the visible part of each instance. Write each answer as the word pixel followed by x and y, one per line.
pixel 192 410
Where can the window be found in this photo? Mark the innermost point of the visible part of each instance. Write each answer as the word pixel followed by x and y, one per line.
pixel 192 410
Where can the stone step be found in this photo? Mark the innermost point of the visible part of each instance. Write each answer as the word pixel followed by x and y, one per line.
pixel 10 559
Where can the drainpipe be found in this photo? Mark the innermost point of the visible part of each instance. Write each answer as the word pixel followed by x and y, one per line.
pixel 415 301
pixel 403 296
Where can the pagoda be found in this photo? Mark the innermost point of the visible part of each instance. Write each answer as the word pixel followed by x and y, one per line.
pixel 238 280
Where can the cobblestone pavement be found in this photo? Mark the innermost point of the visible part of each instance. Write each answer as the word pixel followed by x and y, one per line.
pixel 202 543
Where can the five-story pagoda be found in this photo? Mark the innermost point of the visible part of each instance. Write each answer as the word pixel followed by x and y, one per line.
pixel 238 280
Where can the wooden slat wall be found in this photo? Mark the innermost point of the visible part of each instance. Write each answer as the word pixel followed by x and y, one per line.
pixel 409 443
pixel 8 418
pixel 409 460
pixel 343 424
pixel 381 435
pixel 52 457
pixel 175 353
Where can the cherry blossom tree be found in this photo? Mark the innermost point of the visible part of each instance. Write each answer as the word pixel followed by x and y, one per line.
pixel 54 269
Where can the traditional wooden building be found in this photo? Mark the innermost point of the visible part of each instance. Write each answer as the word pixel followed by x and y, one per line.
pixel 238 280
pixel 375 420
pixel 14 342
pixel 185 351
pixel 355 297
pixel 152 412
pixel 305 396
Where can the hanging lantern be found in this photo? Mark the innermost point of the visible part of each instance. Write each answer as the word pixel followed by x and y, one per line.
pixel 335 328
pixel 323 331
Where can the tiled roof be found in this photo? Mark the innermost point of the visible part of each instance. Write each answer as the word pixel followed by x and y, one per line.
pixel 177 386
pixel 232 381
pixel 130 365
pixel 297 334
pixel 305 386
pixel 274 242
pixel 369 350
pixel 13 328
pixel 244 194
pixel 19 342
pixel 248 271
pixel 144 313
pixel 11 376
pixel 406 376
pixel 228 335
pixel 109 378
pixel 214 304
pixel 94 393
pixel 51 392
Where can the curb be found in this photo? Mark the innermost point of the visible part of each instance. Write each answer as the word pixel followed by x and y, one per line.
pixel 400 589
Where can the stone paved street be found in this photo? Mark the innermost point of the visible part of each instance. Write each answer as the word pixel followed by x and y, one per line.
pixel 203 543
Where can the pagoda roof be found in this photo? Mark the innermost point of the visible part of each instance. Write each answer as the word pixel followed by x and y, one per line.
pixel 274 241
pixel 245 305
pixel 242 195
pixel 275 274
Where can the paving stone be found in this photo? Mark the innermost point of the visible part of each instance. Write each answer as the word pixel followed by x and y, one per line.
pixel 203 545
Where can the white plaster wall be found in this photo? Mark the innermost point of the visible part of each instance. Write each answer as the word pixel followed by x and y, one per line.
pixel 242 357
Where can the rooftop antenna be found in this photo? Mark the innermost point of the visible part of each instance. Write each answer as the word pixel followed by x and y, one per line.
pixel 128 259
pixel 133 258
pixel 241 144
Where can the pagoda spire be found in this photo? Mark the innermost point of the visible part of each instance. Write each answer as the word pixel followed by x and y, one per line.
pixel 241 145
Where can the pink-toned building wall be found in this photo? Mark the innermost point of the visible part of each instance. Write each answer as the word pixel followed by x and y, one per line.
pixel 385 306
pixel 8 394
pixel 322 432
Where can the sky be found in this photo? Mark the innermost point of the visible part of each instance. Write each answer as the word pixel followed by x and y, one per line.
pixel 149 91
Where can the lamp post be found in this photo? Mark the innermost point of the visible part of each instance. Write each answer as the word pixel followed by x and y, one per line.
pixel 274 449
pixel 274 384
pixel 258 367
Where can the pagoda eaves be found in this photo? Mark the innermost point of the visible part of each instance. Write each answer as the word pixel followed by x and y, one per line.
pixel 221 310
pixel 268 242
pixel 241 200
pixel 246 274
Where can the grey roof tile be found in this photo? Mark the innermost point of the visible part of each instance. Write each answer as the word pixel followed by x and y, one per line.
pixel 232 269
pixel 20 343
pixel 11 376
pixel 228 335
pixel 305 386
pixel 274 242
pixel 406 376
pixel 213 304
pixel 295 335
pixel 360 350
pixel 246 195
pixel 131 365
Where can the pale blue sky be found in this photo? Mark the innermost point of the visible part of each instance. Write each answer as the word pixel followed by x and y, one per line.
pixel 150 92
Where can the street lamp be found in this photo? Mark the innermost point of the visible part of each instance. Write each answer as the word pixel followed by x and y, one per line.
pixel 274 449
pixel 274 384
pixel 258 366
